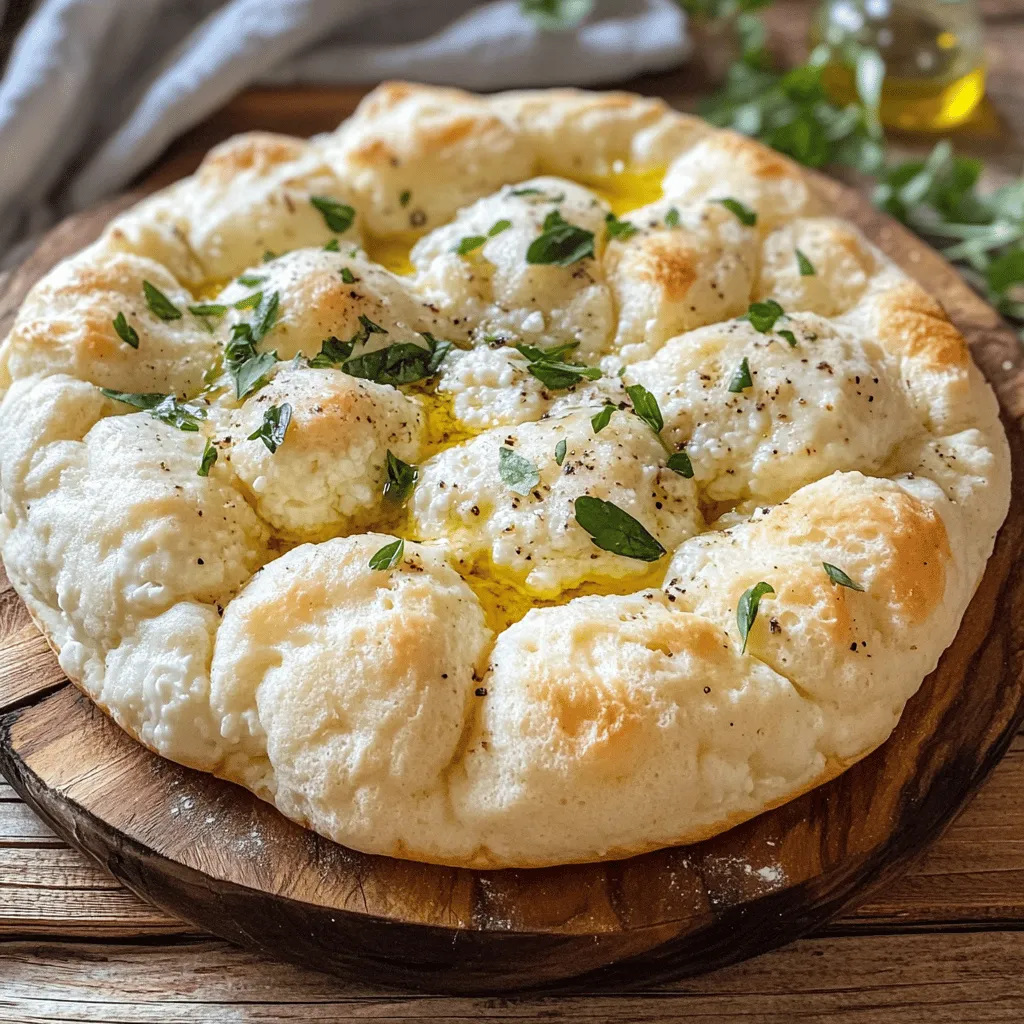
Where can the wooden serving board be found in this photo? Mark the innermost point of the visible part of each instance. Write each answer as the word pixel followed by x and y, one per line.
pixel 211 853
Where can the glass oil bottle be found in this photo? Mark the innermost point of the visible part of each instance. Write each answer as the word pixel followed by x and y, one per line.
pixel 933 53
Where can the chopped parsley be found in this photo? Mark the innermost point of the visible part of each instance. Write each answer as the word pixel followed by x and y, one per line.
pixel 337 216
pixel 498 226
pixel 167 408
pixel 614 530
pixel 789 336
pixel 250 280
pixel 266 315
pixel 645 405
pixel 679 462
pixel 332 246
pixel 746 610
pixel 615 228
pixel 403 199
pixel 250 301
pixel 603 418
pixel 388 556
pixel 805 265
pixel 560 450
pixel 401 478
pixel 469 244
pixel 528 191
pixel 333 352
pixel 208 309
pixel 672 218
pixel 208 459
pixel 764 315
pixel 746 216
pixel 401 363
pixel 244 365
pixel 125 331
pixel 347 276
pixel 560 243
pixel 838 577
pixel 741 379
pixel 159 305
pixel 547 365
pixel 274 426
pixel 518 474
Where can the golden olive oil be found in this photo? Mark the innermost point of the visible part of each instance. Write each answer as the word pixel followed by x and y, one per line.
pixel 934 60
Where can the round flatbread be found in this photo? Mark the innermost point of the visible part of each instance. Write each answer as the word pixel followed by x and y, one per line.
pixel 497 481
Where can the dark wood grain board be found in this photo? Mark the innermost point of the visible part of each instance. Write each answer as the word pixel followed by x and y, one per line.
pixel 211 853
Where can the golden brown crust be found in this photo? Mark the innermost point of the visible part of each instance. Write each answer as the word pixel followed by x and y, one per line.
pixel 912 324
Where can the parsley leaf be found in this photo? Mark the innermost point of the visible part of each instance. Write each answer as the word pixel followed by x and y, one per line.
pixel 837 576
pixel 125 331
pixel 159 305
pixel 560 450
pixel 679 462
pixel 208 309
pixel 183 415
pixel 645 405
pixel 250 301
pixel 403 199
pixel 560 243
pixel 740 379
pixel 615 228
pixel 246 367
pixel 250 280
pixel 347 276
pixel 525 191
pixel 332 246
pixel 333 352
pixel 603 418
pixel 401 363
pixel 614 530
pixel 763 315
pixel 208 459
pixel 469 244
pixel 388 556
pixel 401 478
pixel 789 336
pixel 746 610
pixel 337 216
pixel 805 265
pixel 498 226
pixel 672 218
pixel 746 216
pixel 274 426
pixel 266 316
pixel 548 367
pixel 518 474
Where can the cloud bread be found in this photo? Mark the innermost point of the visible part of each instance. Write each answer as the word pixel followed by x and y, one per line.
pixel 494 291
pixel 250 195
pixel 332 469
pixel 618 371
pixel 462 502
pixel 66 325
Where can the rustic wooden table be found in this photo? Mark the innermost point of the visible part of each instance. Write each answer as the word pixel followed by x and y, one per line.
pixel 945 943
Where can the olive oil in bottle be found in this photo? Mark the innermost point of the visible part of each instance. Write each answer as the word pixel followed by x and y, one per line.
pixel 934 61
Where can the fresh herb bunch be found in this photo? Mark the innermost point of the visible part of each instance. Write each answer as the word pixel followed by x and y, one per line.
pixel 938 197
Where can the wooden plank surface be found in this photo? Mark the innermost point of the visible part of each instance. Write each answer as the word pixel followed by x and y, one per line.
pixel 942 944
pixel 944 979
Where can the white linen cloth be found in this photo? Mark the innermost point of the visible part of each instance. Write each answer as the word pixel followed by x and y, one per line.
pixel 96 89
